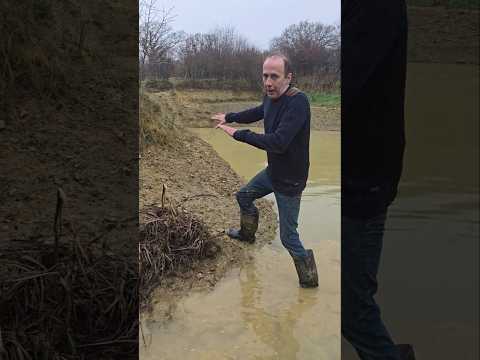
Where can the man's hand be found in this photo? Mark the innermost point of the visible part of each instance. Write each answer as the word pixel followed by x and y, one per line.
pixel 228 129
pixel 220 118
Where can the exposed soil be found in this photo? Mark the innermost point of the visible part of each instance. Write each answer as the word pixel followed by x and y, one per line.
pixel 68 119
pixel 441 35
pixel 81 137
pixel 199 181
pixel 197 106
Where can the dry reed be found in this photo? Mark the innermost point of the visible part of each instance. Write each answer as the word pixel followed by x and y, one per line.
pixel 171 240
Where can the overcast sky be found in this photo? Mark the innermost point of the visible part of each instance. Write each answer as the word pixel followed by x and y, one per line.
pixel 259 21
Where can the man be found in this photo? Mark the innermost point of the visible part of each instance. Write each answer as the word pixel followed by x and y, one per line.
pixel 373 141
pixel 286 114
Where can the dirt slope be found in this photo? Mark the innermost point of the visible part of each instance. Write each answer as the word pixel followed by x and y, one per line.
pixel 201 182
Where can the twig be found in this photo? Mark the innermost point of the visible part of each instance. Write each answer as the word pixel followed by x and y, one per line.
pixel 57 224
pixel 164 188
pixel 32 276
pixel 198 195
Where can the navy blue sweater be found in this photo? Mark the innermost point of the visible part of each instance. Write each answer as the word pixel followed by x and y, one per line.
pixel 286 138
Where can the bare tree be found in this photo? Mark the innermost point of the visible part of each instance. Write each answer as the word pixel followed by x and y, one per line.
pixel 313 48
pixel 156 38
pixel 220 55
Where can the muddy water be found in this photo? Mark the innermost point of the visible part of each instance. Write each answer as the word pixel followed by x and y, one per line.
pixel 429 276
pixel 320 202
pixel 258 311
pixel 434 223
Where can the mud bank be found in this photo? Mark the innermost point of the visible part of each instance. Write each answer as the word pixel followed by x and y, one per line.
pixel 193 108
pixel 201 182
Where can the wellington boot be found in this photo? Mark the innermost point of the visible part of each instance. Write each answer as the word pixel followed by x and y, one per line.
pixel 306 270
pixel 248 228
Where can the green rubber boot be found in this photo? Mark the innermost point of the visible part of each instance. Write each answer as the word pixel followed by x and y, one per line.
pixel 248 228
pixel 306 270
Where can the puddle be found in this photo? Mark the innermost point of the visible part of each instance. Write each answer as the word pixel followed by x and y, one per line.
pixel 258 311
pixel 428 283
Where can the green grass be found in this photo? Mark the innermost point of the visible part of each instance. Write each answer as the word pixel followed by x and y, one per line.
pixel 324 99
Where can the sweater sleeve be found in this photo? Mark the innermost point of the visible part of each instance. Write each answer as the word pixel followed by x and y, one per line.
pixel 246 116
pixel 290 124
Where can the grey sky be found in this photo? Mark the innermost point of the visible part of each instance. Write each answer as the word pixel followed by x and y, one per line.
pixel 259 21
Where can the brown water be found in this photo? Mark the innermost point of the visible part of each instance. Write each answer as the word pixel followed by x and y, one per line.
pixel 258 311
pixel 429 280
pixel 320 208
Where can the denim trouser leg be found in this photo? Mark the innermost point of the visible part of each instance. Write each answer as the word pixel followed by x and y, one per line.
pixel 362 325
pixel 288 209
pixel 258 187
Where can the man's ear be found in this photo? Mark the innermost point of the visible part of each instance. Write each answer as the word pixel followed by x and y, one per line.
pixel 289 77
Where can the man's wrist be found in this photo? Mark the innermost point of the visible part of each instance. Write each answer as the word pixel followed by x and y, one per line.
pixel 239 135
pixel 228 117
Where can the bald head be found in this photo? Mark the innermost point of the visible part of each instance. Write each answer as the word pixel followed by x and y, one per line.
pixel 276 77
pixel 284 60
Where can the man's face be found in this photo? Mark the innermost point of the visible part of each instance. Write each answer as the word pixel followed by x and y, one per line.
pixel 274 80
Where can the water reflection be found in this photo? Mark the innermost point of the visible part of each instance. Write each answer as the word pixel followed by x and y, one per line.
pixel 256 313
pixel 429 273
pixel 274 330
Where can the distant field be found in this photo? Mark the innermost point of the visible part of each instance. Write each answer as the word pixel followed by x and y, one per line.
pixel 324 99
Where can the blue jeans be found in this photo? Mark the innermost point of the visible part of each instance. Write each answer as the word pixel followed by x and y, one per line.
pixel 362 325
pixel 288 210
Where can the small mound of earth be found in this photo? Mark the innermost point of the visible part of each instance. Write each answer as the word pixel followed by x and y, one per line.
pixel 197 179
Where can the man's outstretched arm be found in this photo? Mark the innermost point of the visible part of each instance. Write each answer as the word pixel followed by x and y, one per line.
pixel 246 116
pixel 278 141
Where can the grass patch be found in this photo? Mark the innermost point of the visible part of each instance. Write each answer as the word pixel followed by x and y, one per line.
pixel 218 96
pixel 157 122
pixel 324 99
pixel 158 85
pixel 216 84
